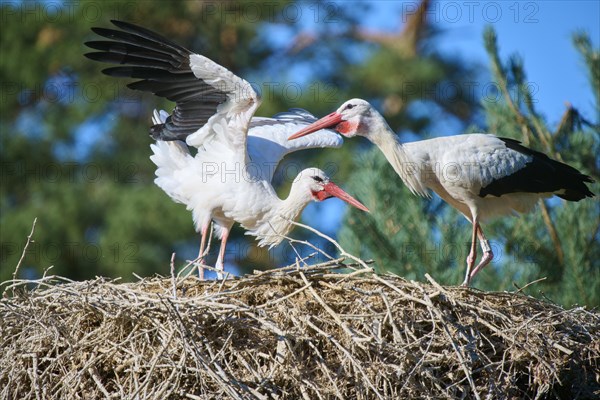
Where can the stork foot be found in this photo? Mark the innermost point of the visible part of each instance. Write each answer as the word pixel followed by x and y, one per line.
pixel 466 282
pixel 487 257
pixel 470 263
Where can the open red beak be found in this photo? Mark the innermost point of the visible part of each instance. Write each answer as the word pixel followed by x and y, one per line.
pixel 328 121
pixel 331 189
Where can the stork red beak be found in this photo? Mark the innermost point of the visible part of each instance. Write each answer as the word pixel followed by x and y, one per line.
pixel 328 121
pixel 331 189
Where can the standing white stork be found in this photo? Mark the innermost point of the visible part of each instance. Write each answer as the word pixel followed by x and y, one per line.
pixel 480 175
pixel 229 178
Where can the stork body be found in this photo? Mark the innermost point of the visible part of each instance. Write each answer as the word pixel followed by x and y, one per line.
pixel 229 178
pixel 480 175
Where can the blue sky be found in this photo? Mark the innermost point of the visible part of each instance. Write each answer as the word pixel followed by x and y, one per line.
pixel 540 32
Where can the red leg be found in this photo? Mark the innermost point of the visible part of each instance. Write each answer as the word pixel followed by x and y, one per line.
pixel 200 258
pixel 488 255
pixel 220 265
pixel 472 254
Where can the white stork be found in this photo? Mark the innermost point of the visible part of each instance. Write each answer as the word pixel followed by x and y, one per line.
pixel 480 175
pixel 229 178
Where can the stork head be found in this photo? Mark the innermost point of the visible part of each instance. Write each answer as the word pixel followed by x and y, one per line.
pixel 317 184
pixel 354 117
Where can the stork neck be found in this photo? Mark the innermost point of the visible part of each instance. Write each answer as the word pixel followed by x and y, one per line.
pixel 405 166
pixel 277 222
pixel 294 204
pixel 382 135
pixel 272 221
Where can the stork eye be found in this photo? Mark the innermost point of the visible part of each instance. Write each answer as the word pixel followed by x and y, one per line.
pixel 317 179
pixel 349 106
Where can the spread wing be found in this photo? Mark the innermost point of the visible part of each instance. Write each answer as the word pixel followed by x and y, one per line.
pixel 211 102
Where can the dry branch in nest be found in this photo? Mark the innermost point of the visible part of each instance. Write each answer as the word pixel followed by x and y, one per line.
pixel 310 333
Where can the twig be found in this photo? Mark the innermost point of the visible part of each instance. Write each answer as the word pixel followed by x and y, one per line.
pixel 185 269
pixel 330 311
pixel 219 375
pixel 34 372
pixel 348 355
pixel 434 283
pixel 29 240
pixel 562 348
pixel 279 300
pixel 400 292
pixel 461 359
pixel 308 244
pixel 336 244
pixel 299 257
pixel 520 289
pixel 94 374
pixel 173 278
pixel 294 267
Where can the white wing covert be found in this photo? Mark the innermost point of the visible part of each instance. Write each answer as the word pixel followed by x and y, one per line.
pixel 268 143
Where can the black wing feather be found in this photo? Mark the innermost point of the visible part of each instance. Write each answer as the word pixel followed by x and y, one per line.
pixel 164 69
pixel 149 35
pixel 541 175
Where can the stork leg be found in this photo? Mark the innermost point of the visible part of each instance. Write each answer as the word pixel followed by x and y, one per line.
pixel 472 254
pixel 220 265
pixel 488 255
pixel 200 258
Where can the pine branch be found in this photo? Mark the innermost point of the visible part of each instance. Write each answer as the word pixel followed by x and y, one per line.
pixel 519 75
pixel 566 123
pixel 491 46
pixel 553 234
pixel 582 42
pixel 591 242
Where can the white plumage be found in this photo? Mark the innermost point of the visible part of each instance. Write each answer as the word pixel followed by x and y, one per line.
pixel 458 167
pixel 240 191
pixel 480 175
pixel 229 178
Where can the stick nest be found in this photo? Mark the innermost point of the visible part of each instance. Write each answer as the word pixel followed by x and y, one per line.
pixel 291 333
